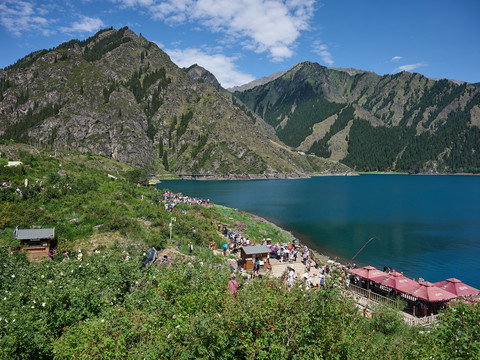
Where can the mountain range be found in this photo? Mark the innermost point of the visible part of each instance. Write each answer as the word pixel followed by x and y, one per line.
pixel 119 95
pixel 403 122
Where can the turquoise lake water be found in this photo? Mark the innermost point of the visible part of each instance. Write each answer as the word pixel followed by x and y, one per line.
pixel 425 226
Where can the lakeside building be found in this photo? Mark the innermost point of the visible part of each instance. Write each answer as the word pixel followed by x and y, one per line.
pixel 250 254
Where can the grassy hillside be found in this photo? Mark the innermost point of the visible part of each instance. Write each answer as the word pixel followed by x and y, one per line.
pixel 73 193
pixel 107 308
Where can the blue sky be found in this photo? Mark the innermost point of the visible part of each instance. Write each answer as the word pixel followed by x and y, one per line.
pixel 242 40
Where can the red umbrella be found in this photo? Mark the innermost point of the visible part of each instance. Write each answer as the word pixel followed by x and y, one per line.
pixel 289 247
pixel 397 281
pixel 456 287
pixel 431 293
pixel 368 272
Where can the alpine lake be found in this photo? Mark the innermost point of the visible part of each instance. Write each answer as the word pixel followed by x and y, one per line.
pixel 422 225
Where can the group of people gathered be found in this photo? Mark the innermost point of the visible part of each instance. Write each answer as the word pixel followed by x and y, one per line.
pixel 52 254
pixel 170 200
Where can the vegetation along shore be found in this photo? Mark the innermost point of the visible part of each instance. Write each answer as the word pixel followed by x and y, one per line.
pixel 107 305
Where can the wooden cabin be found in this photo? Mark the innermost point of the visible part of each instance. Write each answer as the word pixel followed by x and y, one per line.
pixel 250 254
pixel 35 242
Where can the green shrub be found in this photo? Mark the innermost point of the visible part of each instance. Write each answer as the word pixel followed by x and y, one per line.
pixel 123 223
pixel 137 176
pixel 8 195
pixel 26 157
pixel 387 320
pixel 458 333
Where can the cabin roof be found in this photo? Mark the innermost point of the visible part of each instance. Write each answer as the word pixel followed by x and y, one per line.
pixel 255 249
pixel 32 234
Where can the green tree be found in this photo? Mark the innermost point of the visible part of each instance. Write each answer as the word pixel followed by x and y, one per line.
pixel 137 176
pixel 165 160
pixel 160 148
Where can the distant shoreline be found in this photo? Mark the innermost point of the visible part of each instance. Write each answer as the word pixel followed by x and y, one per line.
pixel 246 177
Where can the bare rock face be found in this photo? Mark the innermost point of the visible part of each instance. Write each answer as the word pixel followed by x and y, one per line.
pixel 98 227
pixel 202 75
pixel 257 82
pixel 119 95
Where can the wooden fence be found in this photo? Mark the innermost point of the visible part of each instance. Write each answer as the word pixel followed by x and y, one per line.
pixel 371 297
pixel 423 321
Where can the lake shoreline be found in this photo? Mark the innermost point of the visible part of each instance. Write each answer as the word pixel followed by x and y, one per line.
pixel 301 243
pixel 247 177
pixel 411 215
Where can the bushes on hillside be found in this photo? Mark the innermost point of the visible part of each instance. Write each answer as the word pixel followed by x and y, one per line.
pixel 137 176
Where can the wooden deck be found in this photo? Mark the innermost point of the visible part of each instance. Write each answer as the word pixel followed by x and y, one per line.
pixel 368 300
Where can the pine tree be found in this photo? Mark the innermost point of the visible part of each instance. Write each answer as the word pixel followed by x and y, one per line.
pixel 160 148
pixel 165 160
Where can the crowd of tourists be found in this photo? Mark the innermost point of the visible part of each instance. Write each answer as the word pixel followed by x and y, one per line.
pixel 18 189
pixel 52 254
pixel 283 253
pixel 170 200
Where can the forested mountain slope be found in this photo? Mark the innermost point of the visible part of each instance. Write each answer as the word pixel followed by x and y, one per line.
pixel 401 122
pixel 117 94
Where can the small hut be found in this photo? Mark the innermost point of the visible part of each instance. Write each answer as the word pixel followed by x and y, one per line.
pixel 250 254
pixel 35 242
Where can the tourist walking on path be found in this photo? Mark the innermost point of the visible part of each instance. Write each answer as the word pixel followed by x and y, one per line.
pixel 290 278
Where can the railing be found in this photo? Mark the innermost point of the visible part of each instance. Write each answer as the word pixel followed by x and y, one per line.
pixel 423 321
pixel 370 295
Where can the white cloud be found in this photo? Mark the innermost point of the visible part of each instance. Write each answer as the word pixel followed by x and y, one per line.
pixel 132 3
pixel 270 26
pixel 159 44
pixel 409 67
pixel 21 16
pixel 85 25
pixel 322 50
pixel 396 58
pixel 223 67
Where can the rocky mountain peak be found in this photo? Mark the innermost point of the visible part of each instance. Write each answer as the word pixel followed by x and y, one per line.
pixel 119 95
pixel 372 122
pixel 257 82
pixel 202 75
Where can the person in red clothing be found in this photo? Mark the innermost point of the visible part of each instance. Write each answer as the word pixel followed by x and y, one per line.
pixel 232 285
